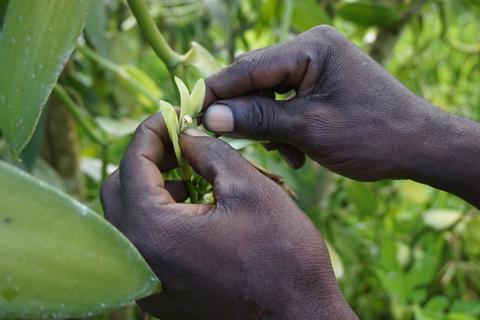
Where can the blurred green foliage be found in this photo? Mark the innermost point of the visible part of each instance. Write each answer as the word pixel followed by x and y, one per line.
pixel 403 250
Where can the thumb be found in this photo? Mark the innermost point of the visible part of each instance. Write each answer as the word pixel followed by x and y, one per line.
pixel 253 117
pixel 232 176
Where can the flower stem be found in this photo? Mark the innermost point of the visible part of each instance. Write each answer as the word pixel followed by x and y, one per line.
pixel 153 36
pixel 119 71
pixel 192 192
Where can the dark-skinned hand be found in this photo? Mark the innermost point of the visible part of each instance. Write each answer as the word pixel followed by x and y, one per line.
pixel 253 254
pixel 348 114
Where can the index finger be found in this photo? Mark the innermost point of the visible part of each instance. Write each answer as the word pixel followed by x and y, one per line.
pixel 142 184
pixel 285 65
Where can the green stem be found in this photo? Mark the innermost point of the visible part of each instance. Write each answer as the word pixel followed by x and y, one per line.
pixel 78 116
pixel 192 192
pixel 153 36
pixel 287 17
pixel 105 160
pixel 119 71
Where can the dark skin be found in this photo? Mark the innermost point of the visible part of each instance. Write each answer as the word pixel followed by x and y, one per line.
pixel 253 254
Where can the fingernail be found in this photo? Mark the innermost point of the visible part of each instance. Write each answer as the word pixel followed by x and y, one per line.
pixel 194 132
pixel 219 118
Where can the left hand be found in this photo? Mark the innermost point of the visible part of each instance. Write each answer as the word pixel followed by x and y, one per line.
pixel 252 255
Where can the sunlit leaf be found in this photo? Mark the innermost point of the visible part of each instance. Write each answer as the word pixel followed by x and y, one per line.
pixel 117 127
pixel 37 40
pixel 238 144
pixel 59 259
pixel 414 192
pixel 92 167
pixel 440 219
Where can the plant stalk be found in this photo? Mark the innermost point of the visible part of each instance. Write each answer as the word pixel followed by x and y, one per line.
pixel 286 20
pixel 118 70
pixel 78 116
pixel 153 36
pixel 192 192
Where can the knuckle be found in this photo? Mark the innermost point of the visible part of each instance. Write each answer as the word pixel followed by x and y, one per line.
pixel 325 31
pixel 241 56
pixel 257 119
pixel 232 191
pixel 154 124
pixel 325 36
pixel 125 162
pixel 261 118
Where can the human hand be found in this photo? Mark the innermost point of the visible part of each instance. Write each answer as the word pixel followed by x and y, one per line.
pixel 253 254
pixel 348 113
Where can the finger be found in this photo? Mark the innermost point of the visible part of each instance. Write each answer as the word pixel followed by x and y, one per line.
pixel 278 66
pixel 140 179
pixel 110 197
pixel 169 160
pixel 111 200
pixel 253 117
pixel 231 175
pixel 294 157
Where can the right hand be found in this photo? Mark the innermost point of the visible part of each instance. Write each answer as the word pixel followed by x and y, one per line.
pixel 348 113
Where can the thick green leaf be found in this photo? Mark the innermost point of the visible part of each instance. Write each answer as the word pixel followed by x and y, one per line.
pixel 60 259
pixel 368 13
pixel 36 42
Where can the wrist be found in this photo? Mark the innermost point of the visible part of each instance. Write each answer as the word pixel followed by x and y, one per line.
pixel 446 155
